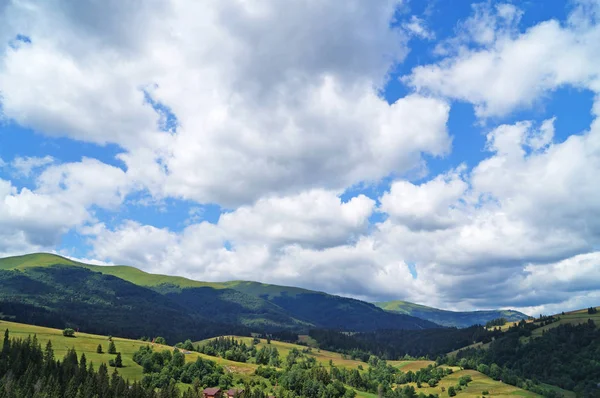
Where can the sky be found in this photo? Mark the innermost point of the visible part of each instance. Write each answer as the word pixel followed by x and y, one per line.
pixel 444 153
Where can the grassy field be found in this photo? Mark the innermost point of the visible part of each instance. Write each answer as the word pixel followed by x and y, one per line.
pixel 574 317
pixel 406 366
pixel 87 343
pixel 475 388
pixel 321 356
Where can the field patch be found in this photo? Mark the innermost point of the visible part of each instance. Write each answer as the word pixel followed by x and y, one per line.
pixel 409 365
pixel 476 387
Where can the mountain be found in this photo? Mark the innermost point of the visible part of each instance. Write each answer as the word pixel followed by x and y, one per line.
pixel 460 319
pixel 52 290
pixel 328 311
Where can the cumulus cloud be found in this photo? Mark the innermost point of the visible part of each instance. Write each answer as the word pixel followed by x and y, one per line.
pixel 265 103
pixel 513 69
pixel 478 239
pixel 33 220
pixel 245 105
pixel 430 205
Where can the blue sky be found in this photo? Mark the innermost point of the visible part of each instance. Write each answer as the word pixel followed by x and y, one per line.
pixel 440 152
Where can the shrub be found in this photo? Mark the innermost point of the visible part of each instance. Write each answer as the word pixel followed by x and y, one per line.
pixel 68 332
pixel 451 391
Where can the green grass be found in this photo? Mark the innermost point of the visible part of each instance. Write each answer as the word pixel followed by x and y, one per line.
pixel 87 343
pixel 480 383
pixel 574 318
pixel 34 260
pixel 130 274
pixel 406 366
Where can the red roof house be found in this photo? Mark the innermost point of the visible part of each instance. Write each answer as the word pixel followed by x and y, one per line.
pixel 213 392
pixel 231 393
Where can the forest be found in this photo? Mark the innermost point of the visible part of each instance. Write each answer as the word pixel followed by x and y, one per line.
pixel 395 344
pixel 565 356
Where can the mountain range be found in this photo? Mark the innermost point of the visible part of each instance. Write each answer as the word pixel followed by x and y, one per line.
pixel 458 319
pixel 51 290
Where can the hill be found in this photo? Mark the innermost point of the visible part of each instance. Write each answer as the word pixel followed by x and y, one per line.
pixel 35 284
pixel 242 373
pixel 560 350
pixel 460 319
pixel 328 311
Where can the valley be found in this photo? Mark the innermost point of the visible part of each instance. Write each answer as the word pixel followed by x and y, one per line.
pixel 244 373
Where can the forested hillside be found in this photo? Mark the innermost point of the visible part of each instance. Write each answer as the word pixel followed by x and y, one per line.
pixel 566 356
pixel 459 319
pixel 55 291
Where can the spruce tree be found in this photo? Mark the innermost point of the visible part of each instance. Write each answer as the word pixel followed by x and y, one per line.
pixel 48 352
pixel 112 349
pixel 99 349
pixel 118 361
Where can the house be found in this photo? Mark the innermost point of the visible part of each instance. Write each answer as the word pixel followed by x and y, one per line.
pixel 231 393
pixel 213 392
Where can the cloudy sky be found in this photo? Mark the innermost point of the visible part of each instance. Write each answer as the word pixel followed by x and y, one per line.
pixel 445 153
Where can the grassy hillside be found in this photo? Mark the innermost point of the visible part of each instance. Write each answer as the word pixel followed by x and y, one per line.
pixel 450 318
pixel 60 296
pixel 251 304
pixel 87 343
pixel 572 318
pixel 475 388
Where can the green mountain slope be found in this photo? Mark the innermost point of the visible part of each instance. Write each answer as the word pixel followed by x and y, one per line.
pixel 259 306
pixel 329 311
pixel 64 295
pixel 450 318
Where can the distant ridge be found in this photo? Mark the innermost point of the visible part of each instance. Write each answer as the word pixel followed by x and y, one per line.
pixel 459 319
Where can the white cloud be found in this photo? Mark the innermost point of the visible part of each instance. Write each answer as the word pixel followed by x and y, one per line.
pixel 514 69
pixel 276 117
pixel 25 165
pixel 265 103
pixel 417 27
pixel 429 205
pixel 316 219
pixel 33 220
pixel 479 239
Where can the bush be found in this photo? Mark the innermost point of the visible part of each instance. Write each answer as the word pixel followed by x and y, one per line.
pixel 485 392
pixel 68 332
pixel 160 340
pixel 451 391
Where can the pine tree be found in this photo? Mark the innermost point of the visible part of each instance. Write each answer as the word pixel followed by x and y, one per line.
pixel 48 352
pixel 112 349
pixel 4 353
pixel 99 349
pixel 118 361
pixel 103 382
